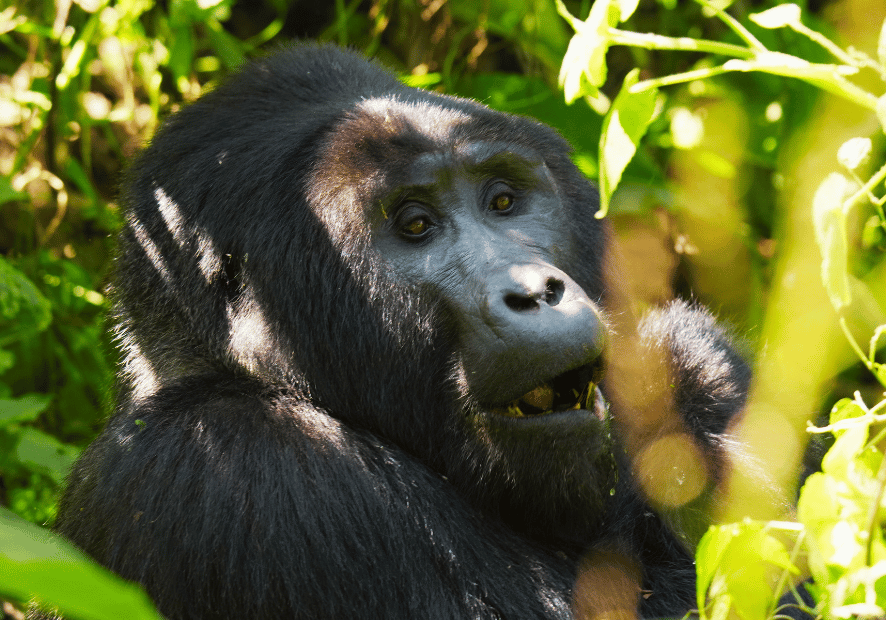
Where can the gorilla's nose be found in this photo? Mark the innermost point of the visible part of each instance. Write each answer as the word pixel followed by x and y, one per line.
pixel 535 306
pixel 525 288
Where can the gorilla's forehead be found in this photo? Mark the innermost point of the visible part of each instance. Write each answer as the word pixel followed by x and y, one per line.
pixel 391 115
pixel 476 159
pixel 385 143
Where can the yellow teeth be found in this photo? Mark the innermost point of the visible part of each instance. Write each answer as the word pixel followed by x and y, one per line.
pixel 541 397
pixel 541 401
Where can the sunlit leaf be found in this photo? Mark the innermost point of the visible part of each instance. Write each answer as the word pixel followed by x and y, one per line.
pixel 623 128
pixel 735 562
pixel 778 16
pixel 830 232
pixel 855 152
pixel 844 409
pixel 37 563
pixel 848 446
pixel 584 66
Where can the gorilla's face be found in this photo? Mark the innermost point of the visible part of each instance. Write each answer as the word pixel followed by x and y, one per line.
pixel 474 217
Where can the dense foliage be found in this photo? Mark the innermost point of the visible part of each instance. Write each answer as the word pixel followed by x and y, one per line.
pixel 720 159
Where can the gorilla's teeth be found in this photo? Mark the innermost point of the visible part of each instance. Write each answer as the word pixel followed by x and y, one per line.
pixel 544 400
pixel 541 397
pixel 589 393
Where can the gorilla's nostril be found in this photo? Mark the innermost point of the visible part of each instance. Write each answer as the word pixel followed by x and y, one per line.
pixel 554 290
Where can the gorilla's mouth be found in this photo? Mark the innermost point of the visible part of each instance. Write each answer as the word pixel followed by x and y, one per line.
pixel 575 389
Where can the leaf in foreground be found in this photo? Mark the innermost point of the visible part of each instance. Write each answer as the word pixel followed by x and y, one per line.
pixel 36 563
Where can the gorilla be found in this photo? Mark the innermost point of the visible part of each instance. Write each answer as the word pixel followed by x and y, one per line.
pixel 377 364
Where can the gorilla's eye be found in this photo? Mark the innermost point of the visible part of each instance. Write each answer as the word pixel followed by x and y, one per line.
pixel 502 203
pixel 415 228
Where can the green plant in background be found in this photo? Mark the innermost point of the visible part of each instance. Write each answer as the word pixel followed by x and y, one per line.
pixel 84 84
pixel 746 567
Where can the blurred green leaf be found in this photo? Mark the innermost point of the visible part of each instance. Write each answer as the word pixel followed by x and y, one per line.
pixel 23 409
pixel 855 152
pixel 44 453
pixel 847 447
pixel 228 48
pixel 830 232
pixel 181 53
pixel 23 309
pixel 36 563
pixel 7 193
pixel 734 564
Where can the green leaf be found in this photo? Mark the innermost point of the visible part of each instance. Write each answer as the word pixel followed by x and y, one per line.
pixel 23 409
pixel 873 233
pixel 847 447
pixel 36 563
pixel 844 409
pixel 818 510
pixel 830 233
pixel 734 565
pixel 228 48
pixel 623 128
pixel 7 193
pixel 778 16
pixel 23 308
pixel 44 453
pixel 584 66
pixel 181 53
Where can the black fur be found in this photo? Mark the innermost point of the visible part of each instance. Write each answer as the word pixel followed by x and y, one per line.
pixel 295 436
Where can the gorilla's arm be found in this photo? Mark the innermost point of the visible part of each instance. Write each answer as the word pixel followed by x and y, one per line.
pixel 710 379
pixel 209 487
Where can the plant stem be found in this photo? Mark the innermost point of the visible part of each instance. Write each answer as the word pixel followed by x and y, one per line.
pixel 865 189
pixel 854 344
pixel 677 78
pixel 660 42
pixel 734 25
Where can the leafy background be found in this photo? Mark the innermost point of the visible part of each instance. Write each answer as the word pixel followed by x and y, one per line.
pixel 715 205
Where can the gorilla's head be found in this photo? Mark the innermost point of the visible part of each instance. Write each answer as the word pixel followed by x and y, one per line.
pixel 416 265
